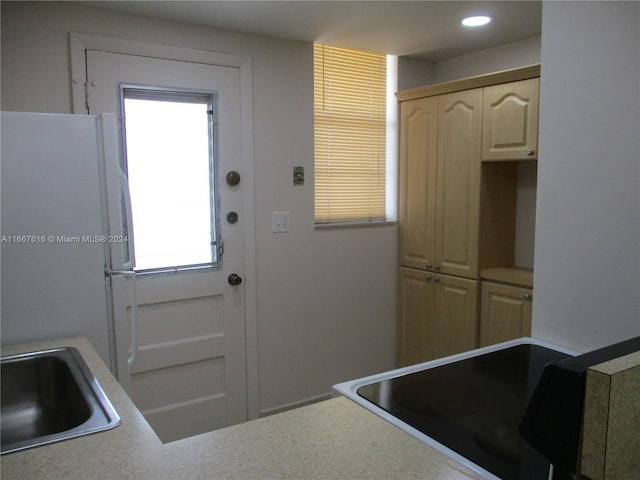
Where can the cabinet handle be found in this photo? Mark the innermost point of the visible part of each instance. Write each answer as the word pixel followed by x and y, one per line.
pixel 529 152
pixel 528 296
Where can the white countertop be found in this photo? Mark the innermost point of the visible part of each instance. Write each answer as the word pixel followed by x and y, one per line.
pixel 331 439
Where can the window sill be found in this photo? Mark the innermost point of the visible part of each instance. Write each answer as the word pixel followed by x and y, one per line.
pixel 354 224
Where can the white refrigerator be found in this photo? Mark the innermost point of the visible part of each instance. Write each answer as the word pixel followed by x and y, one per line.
pixel 67 249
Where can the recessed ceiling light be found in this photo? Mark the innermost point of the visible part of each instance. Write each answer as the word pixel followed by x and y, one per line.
pixel 476 21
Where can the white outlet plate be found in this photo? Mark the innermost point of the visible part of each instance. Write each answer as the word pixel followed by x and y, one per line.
pixel 280 222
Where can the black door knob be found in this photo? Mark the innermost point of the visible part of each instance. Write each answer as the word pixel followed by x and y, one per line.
pixel 234 279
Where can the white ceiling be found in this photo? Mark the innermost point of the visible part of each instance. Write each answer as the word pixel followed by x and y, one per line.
pixel 427 29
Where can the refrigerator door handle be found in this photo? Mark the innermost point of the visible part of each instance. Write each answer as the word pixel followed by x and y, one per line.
pixel 119 218
pixel 134 320
pixel 130 275
pixel 124 184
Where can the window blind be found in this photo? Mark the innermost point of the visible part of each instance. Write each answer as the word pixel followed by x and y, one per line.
pixel 350 135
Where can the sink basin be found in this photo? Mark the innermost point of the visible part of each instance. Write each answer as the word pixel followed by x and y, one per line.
pixel 49 396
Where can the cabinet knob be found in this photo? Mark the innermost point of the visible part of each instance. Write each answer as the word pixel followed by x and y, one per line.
pixel 428 278
pixel 528 296
pixel 429 266
pixel 436 267
pixel 436 279
pixel 530 152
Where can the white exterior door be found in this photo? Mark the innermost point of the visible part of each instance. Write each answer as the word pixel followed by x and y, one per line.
pixel 190 373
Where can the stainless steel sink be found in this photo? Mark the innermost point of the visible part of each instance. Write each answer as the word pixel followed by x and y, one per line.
pixel 49 396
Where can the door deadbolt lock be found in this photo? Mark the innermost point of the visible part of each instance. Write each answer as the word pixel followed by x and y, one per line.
pixel 233 178
pixel 232 217
pixel 234 279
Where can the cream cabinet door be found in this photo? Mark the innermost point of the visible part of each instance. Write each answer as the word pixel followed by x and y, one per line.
pixel 510 121
pixel 458 180
pixel 454 325
pixel 415 306
pixel 505 313
pixel 437 316
pixel 418 119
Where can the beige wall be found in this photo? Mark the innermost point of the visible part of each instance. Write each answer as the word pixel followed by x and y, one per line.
pixel 325 299
pixel 414 72
pixel 587 262
pixel 503 57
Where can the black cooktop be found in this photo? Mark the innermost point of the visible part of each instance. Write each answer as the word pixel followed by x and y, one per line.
pixel 474 407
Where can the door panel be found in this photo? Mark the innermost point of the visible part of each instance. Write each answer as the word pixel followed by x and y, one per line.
pixel 436 317
pixel 459 144
pixel 194 406
pixel 455 315
pixel 510 124
pixel 506 313
pixel 418 182
pixel 416 299
pixel 190 372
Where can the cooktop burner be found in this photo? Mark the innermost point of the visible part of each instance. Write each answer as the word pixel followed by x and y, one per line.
pixel 473 406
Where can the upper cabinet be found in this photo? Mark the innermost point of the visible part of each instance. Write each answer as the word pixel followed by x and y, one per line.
pixel 458 183
pixel 418 140
pixel 510 121
pixel 440 183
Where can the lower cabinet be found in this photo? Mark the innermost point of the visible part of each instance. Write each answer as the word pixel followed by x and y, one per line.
pixel 505 313
pixel 437 315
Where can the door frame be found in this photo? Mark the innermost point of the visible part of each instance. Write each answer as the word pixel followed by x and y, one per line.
pixel 81 42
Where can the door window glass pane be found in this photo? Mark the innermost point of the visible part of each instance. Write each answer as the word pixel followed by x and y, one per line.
pixel 169 151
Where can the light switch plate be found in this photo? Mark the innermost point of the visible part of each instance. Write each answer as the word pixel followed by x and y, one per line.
pixel 280 222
